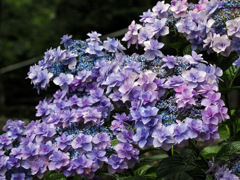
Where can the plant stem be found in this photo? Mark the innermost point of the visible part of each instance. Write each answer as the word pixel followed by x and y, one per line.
pixel 235 76
pixel 172 150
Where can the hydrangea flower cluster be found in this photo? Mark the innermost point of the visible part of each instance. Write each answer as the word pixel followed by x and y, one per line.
pixel 225 169
pixel 209 25
pixel 215 28
pixel 109 105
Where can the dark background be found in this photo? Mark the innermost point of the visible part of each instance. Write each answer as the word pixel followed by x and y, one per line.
pixel 29 27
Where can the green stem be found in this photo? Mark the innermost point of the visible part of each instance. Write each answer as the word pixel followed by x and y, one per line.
pixel 228 130
pixel 172 150
pixel 235 76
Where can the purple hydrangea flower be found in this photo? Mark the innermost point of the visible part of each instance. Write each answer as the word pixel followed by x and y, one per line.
pixel 142 137
pixel 220 43
pixel 94 49
pixel 58 160
pixel 69 59
pixel 39 77
pixel 194 77
pixel 132 35
pixel 5 141
pixel 184 96
pixel 179 8
pixel 18 176
pixel 94 36
pixel 98 157
pixel 63 79
pixel 101 140
pixel 212 98
pixel 82 143
pixel 112 45
pixel 170 62
pixel 163 137
pixel 159 28
pixel 82 165
pixel 233 27
pixel 152 49
pixel 237 63
pixel 116 164
pixel 126 150
pixel 125 136
pixel 3 163
pixel 209 115
pixel 66 40
pixel 64 141
pixel 161 9
pixel 46 149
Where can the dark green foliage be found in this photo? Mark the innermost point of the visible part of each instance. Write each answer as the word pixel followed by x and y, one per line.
pixel 182 166
pixel 228 150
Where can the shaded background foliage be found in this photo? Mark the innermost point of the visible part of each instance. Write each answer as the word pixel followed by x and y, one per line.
pixel 30 27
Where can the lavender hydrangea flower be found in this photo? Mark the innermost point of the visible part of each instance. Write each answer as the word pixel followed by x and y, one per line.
pixel 116 164
pixel 220 43
pixel 194 77
pixel 131 35
pixel 159 28
pixel 18 176
pixel 170 62
pixel 178 8
pixel 66 40
pixel 3 163
pixel 112 45
pixel 94 49
pixel 94 36
pixel 237 63
pixel 233 27
pixel 63 80
pixel 58 160
pixel 126 150
pixel 69 59
pixel 40 78
pixel 101 141
pixel 82 165
pixel 98 156
pixel 82 143
pixel 152 49
pixel 64 141
pixel 161 9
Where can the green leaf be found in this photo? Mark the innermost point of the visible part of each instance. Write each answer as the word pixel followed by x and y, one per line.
pixel 223 132
pixel 136 178
pixel 179 176
pixel 227 61
pixel 187 50
pixel 130 178
pixel 78 177
pixel 58 176
pixel 210 151
pixel 153 158
pixel 114 142
pixel 228 150
pixel 209 177
pixel 175 45
pixel 181 166
pixel 142 170
pixel 149 150
pixel 188 156
pixel 122 178
pixel 151 175
pixel 172 165
pixel 53 175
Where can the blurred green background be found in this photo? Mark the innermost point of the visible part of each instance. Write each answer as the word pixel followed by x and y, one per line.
pixel 29 27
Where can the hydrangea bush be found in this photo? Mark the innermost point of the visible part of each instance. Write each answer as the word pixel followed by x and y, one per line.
pixel 110 107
